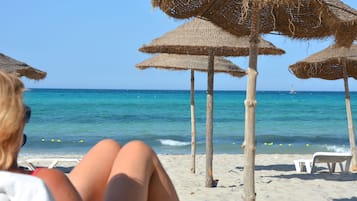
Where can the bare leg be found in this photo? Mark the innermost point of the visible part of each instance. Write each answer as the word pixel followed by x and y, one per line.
pixel 138 175
pixel 91 175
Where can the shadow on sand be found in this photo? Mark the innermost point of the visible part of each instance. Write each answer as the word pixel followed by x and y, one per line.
pixel 346 199
pixel 320 173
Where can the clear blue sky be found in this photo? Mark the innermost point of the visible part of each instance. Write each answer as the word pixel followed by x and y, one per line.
pixel 94 44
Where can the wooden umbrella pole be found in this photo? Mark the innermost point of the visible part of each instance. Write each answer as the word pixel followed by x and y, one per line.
pixel 193 123
pixel 249 144
pixel 209 122
pixel 351 131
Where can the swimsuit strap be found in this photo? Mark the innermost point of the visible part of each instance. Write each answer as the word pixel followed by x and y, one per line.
pixel 35 171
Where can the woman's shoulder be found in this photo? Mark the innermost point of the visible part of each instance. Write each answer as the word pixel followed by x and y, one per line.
pixel 49 174
pixel 59 184
pixel 52 177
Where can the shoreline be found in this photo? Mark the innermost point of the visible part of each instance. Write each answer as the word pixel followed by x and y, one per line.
pixel 185 90
pixel 275 178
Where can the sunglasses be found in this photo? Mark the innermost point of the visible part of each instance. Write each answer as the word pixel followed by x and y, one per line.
pixel 27 117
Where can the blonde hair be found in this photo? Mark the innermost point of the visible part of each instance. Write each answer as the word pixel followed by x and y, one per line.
pixel 11 119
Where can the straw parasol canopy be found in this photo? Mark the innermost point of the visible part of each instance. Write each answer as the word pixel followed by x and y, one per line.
pixel 191 62
pixel 11 65
pixel 302 19
pixel 201 37
pixel 330 64
pixel 327 64
pixel 198 37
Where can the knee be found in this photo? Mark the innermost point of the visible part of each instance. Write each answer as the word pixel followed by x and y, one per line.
pixel 108 144
pixel 138 146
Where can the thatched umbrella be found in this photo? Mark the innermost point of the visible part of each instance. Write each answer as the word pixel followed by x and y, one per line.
pixel 303 19
pixel 201 37
pixel 191 62
pixel 11 65
pixel 333 63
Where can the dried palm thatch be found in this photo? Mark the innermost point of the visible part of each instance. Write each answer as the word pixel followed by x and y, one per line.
pixel 333 63
pixel 328 64
pixel 302 19
pixel 11 65
pixel 198 37
pixel 196 5
pixel 188 62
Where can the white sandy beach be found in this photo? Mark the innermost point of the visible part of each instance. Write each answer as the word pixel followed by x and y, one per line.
pixel 275 179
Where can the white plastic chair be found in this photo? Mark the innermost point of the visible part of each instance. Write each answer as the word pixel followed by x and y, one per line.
pixel 330 158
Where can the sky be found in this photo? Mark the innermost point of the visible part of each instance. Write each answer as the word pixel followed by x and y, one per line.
pixel 87 44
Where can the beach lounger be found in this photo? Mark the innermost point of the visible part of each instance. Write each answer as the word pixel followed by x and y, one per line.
pixel 18 187
pixel 330 158
pixel 32 163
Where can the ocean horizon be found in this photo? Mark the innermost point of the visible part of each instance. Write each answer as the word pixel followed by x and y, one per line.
pixel 72 120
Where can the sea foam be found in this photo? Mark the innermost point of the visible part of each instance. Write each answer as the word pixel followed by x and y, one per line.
pixel 170 142
pixel 340 149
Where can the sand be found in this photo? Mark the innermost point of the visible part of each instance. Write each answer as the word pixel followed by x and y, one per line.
pixel 275 179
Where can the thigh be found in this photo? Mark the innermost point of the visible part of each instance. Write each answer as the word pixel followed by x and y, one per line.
pixel 131 173
pixel 137 174
pixel 90 176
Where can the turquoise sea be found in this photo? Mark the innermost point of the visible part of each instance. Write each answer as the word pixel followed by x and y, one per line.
pixel 72 120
